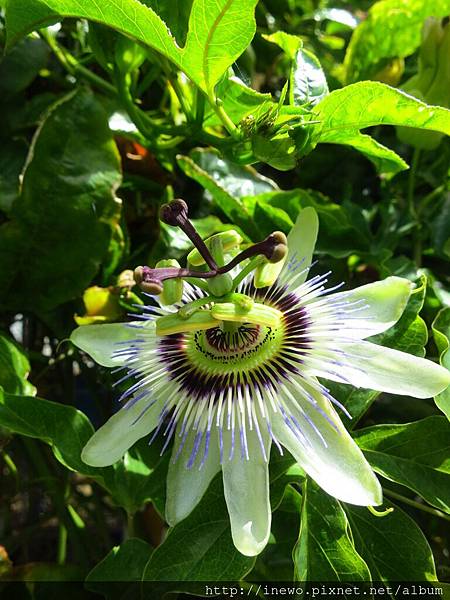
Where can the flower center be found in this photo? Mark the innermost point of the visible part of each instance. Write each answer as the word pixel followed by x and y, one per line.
pixel 244 349
pixel 206 362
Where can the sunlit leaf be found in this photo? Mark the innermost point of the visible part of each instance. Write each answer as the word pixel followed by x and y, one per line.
pixel 14 368
pixel 393 546
pixel 325 550
pixel 218 31
pixel 391 29
pixel 414 455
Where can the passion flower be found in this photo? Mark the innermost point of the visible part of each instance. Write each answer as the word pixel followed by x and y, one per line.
pixel 236 366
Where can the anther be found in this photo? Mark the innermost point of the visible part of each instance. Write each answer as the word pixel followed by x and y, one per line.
pixel 145 279
pixel 279 248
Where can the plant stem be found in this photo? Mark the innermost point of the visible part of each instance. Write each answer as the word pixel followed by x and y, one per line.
pixel 221 113
pixel 412 183
pixel 62 544
pixel 412 207
pixel 71 65
pixel 423 507
pixel 130 526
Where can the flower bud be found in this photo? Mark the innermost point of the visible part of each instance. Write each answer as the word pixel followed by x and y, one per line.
pixel 102 305
pixel 172 289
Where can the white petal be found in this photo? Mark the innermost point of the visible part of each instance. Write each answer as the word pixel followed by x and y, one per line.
pixel 103 341
pixel 186 486
pixel 339 467
pixel 375 307
pixel 120 432
pixel 379 368
pixel 246 488
pixel 301 241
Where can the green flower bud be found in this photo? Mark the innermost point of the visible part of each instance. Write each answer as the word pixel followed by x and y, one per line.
pixel 172 289
pixel 102 305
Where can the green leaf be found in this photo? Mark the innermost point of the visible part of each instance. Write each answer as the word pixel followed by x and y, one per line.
pixel 337 222
pixel 393 546
pixel 61 224
pixel 386 161
pixel 12 159
pixel 441 334
pixel 239 101
pixel 63 427
pixel 440 230
pixel 392 29
pixel 290 44
pixel 14 368
pixel 175 14
pixel 22 65
pixel 138 478
pixel 200 547
pixel 414 455
pixel 232 207
pixel 308 82
pixel 122 565
pixel 345 111
pixel 237 180
pixel 219 31
pixel 325 550
pixel 278 151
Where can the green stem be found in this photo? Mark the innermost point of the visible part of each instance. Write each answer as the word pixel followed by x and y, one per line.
pixel 62 544
pixel 417 245
pixel 199 108
pixel 423 507
pixel 130 526
pixel 251 266
pixel 222 114
pixel 412 183
pixel 71 65
pixel 181 97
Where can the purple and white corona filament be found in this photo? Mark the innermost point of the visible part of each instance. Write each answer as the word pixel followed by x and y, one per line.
pixel 236 363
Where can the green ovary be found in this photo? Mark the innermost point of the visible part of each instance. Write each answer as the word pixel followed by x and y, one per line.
pixel 226 352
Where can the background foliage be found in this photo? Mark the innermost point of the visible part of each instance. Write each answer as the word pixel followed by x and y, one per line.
pixel 105 115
